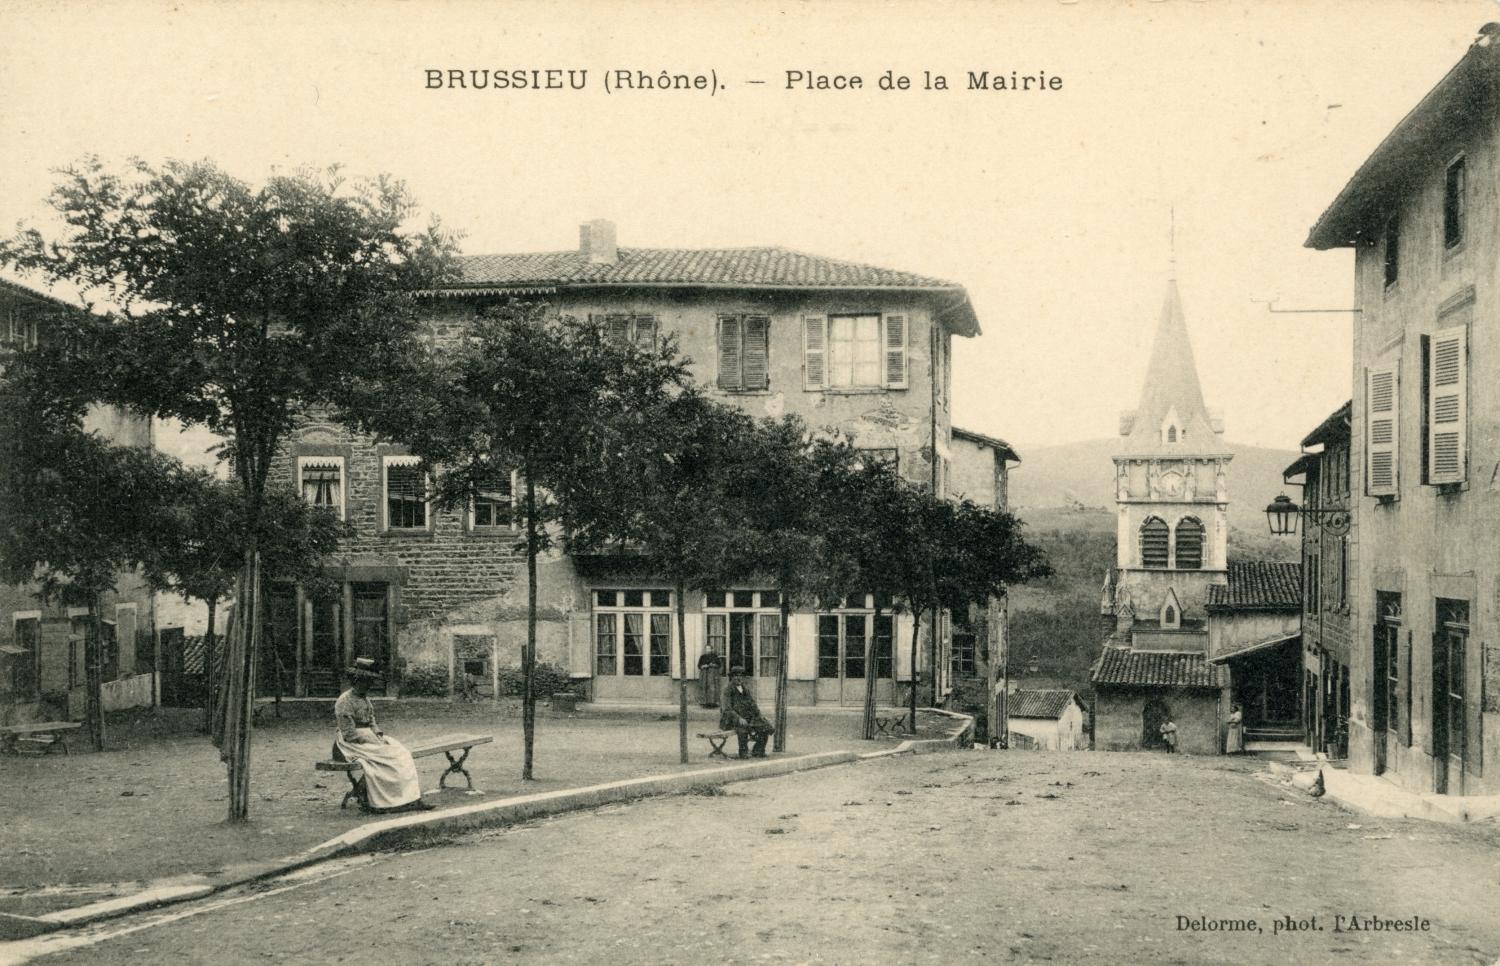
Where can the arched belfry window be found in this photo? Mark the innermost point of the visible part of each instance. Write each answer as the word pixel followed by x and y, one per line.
pixel 1171 434
pixel 1189 544
pixel 1154 537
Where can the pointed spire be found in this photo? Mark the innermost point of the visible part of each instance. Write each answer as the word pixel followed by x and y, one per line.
pixel 1171 416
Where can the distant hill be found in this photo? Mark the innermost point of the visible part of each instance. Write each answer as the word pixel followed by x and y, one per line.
pixel 1077 474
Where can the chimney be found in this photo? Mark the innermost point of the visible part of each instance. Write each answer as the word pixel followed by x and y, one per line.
pixel 596 242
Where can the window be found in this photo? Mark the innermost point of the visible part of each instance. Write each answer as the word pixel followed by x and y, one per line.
pixel 633 633
pixel 1453 204
pixel 493 499
pixel 1311 584
pixel 405 493
pixel 1189 544
pixel 965 650
pixel 1382 424
pixel 744 352
pixel 744 628
pixel 1154 538
pixel 864 351
pixel 1342 595
pixel 1171 434
pixel 842 638
pixel 1392 249
pixel 623 329
pixel 371 623
pixel 1447 406
pixel 321 480
pixel 19 328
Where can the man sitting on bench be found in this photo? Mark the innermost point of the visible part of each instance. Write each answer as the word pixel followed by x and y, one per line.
pixel 743 715
pixel 390 776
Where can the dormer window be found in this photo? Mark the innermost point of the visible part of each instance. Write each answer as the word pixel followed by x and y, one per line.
pixel 1171 434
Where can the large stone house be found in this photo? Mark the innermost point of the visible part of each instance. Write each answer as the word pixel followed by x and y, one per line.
pixel 855 350
pixel 1422 215
pixel 1323 473
pixel 42 672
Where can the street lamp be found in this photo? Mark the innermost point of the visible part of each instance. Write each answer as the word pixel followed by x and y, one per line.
pixel 1282 514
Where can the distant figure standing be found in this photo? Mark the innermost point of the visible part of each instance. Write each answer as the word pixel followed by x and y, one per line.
pixel 1234 738
pixel 743 715
pixel 1169 736
pixel 710 666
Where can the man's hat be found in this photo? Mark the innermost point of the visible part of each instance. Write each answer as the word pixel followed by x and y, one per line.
pixel 364 667
pixel 739 672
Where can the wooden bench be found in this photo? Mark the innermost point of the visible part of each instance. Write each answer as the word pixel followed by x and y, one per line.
pixel 40 737
pixel 445 745
pixel 716 741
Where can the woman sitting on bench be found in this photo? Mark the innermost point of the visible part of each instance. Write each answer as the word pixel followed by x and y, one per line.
pixel 390 776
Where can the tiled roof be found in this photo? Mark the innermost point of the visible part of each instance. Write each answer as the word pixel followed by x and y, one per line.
pixel 752 267
pixel 1000 446
pixel 1259 585
pixel 1160 668
pixel 1038 704
pixel 1459 103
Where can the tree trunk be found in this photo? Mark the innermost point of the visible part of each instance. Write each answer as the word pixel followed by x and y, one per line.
pixel 682 678
pixel 1000 674
pixel 934 626
pixel 778 742
pixel 210 680
pixel 93 674
pixel 239 700
pixel 911 695
pixel 528 654
pixel 869 717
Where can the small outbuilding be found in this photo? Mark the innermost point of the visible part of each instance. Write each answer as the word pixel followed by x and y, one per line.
pixel 1054 720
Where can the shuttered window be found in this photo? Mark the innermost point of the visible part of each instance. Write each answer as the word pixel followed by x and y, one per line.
pixel 1154 538
pixel 1189 544
pixel 1382 422
pixel 624 329
pixel 744 352
pixel 856 351
pixel 1453 204
pixel 1447 406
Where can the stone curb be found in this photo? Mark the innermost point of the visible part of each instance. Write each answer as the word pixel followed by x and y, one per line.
pixel 389 833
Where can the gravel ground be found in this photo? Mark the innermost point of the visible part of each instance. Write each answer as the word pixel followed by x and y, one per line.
pixel 963 857
pixel 87 826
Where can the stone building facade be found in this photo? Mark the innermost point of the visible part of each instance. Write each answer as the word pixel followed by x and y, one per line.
pixel 1422 215
pixel 859 352
pixel 1323 473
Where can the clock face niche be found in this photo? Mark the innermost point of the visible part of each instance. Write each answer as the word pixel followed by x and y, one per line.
pixel 1170 483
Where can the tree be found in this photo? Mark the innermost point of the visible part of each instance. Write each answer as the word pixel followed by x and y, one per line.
pixel 78 511
pixel 235 308
pixel 553 399
pixel 200 546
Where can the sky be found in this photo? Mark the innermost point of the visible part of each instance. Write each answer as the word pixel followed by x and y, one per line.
pixel 1215 131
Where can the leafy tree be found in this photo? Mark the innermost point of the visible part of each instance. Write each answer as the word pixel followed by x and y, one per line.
pixel 78 511
pixel 236 307
pixel 552 398
pixel 200 547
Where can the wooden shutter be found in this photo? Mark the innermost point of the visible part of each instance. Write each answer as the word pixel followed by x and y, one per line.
pixel 1447 406
pixel 645 331
pixel 756 357
pixel 815 351
pixel 731 373
pixel 1404 690
pixel 617 329
pixel 895 351
pixel 1382 422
